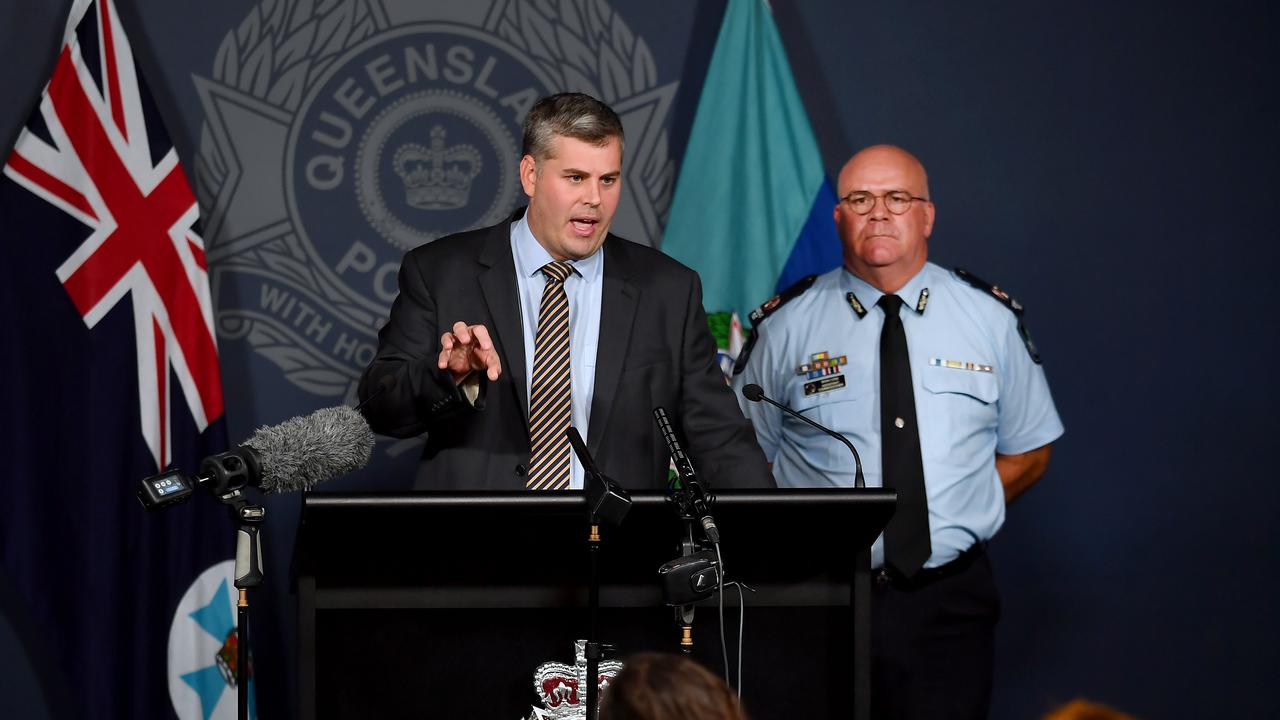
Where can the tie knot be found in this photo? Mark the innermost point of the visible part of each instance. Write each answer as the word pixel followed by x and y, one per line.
pixel 891 304
pixel 557 271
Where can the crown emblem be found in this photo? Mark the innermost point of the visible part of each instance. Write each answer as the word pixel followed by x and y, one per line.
pixel 437 177
pixel 563 687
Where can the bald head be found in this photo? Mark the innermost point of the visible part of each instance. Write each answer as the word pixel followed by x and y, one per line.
pixel 881 246
pixel 884 158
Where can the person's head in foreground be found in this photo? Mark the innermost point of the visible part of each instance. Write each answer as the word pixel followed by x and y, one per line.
pixel 1081 709
pixel 660 686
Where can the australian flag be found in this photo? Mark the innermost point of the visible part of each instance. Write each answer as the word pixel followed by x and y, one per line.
pixel 109 374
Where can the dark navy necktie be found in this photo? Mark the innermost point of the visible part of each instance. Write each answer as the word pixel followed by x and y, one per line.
pixel 906 538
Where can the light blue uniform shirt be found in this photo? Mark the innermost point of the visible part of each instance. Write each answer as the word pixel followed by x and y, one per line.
pixel 584 290
pixel 977 393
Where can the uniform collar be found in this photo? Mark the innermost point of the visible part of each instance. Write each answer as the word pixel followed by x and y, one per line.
pixel 862 294
pixel 530 256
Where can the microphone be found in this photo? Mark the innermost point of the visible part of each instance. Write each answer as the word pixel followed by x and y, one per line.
pixel 296 454
pixel 686 491
pixel 753 393
pixel 302 452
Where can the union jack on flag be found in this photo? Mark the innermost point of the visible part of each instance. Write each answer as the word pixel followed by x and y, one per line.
pixel 109 373
pixel 98 165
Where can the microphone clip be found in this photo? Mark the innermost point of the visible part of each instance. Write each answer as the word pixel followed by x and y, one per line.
pixel 690 578
pixel 224 475
pixel 228 472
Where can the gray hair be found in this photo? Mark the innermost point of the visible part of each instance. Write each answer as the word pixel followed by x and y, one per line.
pixel 574 115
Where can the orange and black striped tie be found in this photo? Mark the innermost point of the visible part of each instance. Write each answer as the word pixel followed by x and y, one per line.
pixel 550 397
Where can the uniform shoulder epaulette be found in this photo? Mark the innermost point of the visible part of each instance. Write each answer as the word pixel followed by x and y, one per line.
pixel 992 290
pixel 772 304
pixel 769 307
pixel 1005 299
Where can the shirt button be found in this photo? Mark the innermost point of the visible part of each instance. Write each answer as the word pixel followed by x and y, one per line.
pixel 898 423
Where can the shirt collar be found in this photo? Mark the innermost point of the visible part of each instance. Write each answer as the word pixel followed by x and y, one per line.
pixel 530 256
pixel 868 295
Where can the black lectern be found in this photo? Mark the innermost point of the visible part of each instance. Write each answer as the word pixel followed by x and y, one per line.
pixel 442 604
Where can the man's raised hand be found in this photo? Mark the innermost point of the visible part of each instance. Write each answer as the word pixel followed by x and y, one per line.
pixel 468 348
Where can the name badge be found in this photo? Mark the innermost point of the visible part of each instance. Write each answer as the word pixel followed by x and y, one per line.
pixel 826 384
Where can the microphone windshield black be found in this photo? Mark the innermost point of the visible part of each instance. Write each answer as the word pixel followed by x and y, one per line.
pixel 752 392
pixel 301 452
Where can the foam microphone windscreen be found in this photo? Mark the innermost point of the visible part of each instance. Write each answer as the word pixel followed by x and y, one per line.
pixel 301 452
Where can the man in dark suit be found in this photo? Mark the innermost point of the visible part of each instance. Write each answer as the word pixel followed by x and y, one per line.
pixel 502 337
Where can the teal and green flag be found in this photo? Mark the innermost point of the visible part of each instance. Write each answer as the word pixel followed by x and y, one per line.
pixel 752 207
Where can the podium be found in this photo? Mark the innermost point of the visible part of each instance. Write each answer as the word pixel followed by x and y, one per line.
pixel 443 604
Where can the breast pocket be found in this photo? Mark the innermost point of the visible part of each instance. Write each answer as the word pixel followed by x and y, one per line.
pixel 959 403
pixel 845 409
pixel 829 400
pixel 807 394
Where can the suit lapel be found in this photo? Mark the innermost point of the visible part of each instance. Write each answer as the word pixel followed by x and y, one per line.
pixel 617 312
pixel 498 283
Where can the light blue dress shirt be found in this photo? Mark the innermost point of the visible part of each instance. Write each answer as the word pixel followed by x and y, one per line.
pixel 977 393
pixel 584 290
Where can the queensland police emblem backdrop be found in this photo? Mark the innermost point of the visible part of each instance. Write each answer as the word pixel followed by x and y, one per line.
pixel 339 135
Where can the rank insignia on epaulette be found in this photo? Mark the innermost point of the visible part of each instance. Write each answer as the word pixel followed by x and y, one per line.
pixel 995 292
pixel 922 302
pixel 1006 300
pixel 780 299
pixel 857 306
pixel 763 311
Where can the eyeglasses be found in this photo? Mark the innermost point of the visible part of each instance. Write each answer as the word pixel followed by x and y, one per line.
pixel 897 201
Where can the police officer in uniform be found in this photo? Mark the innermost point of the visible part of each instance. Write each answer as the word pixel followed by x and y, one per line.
pixel 933 377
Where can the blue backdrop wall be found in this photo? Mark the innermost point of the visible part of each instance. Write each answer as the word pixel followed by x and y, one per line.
pixel 1112 165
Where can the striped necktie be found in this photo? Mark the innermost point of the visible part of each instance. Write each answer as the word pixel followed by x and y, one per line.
pixel 550 397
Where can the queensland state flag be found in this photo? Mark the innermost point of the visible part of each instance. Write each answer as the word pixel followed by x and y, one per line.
pixel 109 374
pixel 752 207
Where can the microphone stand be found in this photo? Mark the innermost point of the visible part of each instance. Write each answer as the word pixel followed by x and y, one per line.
pixel 249 518
pixel 685 494
pixel 684 613
pixel 606 501
pixel 229 472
